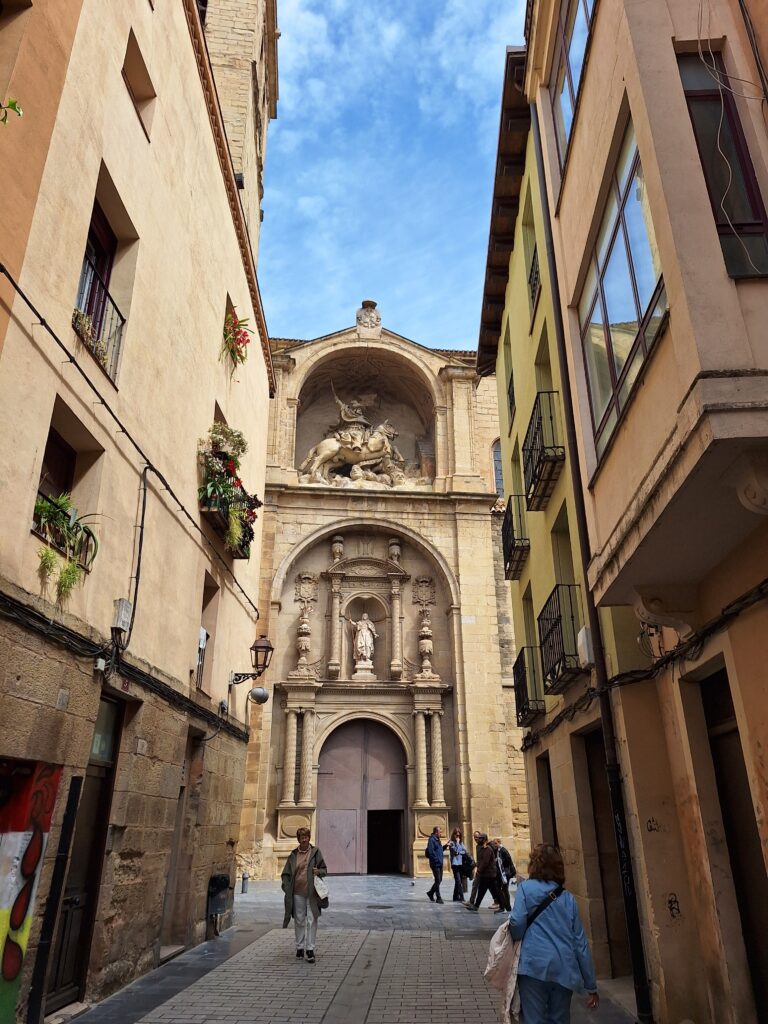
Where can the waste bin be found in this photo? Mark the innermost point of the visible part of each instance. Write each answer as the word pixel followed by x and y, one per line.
pixel 218 886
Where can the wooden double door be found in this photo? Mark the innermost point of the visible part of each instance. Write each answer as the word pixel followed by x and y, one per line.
pixel 362 800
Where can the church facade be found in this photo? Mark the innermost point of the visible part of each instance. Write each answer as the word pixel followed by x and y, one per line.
pixel 382 590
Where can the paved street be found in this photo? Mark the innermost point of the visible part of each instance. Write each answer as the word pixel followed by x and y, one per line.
pixel 385 955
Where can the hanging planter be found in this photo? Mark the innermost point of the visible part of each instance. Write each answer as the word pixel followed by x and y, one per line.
pixel 224 502
pixel 236 338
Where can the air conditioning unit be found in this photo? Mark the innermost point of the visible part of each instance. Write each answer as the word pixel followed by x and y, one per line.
pixel 584 648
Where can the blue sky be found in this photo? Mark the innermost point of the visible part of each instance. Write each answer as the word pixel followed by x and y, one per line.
pixel 379 167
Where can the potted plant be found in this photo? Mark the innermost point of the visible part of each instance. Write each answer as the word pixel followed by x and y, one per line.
pixel 57 521
pixel 230 509
pixel 85 329
pixel 236 338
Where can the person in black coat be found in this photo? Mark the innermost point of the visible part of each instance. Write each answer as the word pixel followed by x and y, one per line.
pixel 505 871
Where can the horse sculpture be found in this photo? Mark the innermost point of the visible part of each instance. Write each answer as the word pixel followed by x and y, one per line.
pixel 376 455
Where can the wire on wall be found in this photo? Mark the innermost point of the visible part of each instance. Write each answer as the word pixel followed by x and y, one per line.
pixel 149 467
pixel 688 650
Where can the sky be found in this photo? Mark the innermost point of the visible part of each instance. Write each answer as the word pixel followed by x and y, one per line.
pixel 379 167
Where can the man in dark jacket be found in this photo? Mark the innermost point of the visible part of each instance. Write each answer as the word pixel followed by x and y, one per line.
pixel 435 851
pixel 486 874
pixel 505 870
pixel 302 903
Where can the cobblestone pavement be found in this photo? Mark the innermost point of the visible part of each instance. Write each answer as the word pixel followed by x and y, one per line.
pixel 385 955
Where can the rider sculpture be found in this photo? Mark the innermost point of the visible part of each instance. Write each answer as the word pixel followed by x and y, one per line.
pixel 369 452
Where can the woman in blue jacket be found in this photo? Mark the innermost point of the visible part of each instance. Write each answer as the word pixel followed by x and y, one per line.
pixel 555 960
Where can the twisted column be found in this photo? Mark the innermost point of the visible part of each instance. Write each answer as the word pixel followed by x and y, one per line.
pixel 289 759
pixel 307 749
pixel 421 761
pixel 438 788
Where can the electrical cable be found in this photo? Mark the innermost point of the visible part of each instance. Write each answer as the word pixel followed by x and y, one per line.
pixel 149 466
pixel 688 650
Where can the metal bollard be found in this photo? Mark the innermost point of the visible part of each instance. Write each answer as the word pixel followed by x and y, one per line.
pixel 244 887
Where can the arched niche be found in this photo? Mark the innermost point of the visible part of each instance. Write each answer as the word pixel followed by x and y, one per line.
pixel 380 613
pixel 388 385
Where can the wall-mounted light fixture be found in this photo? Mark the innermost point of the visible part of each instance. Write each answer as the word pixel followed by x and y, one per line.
pixel 261 656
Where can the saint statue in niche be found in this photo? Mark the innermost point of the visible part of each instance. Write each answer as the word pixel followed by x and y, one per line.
pixel 365 634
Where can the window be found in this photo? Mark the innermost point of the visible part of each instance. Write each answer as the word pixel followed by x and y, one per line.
pixel 208 615
pixel 58 473
pixel 139 84
pixel 498 474
pixel 570 52
pixel 510 375
pixel 733 190
pixel 623 304
pixel 202 10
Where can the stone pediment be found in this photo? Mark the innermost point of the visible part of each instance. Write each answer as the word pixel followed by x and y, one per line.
pixel 366 567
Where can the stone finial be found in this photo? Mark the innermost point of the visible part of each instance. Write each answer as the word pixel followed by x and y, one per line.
pixel 368 320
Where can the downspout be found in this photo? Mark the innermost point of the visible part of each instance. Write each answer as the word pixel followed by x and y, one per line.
pixel 631 912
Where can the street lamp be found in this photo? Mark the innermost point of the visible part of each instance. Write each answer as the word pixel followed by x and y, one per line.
pixel 261 656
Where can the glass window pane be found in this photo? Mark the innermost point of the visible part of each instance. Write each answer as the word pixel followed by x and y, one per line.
pixel 590 5
pixel 727 188
pixel 606 228
pixel 631 376
pixel 745 255
pixel 654 321
pixel 620 303
pixel 576 33
pixel 563 111
pixel 626 157
pixel 642 239
pixel 598 368
pixel 695 75
pixel 606 433
pixel 587 295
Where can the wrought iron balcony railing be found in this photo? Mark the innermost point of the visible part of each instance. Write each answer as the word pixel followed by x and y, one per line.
pixel 543 451
pixel 534 279
pixel 97 321
pixel 513 537
pixel 559 623
pixel 55 529
pixel 529 697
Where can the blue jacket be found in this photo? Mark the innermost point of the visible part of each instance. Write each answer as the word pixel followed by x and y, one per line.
pixel 435 851
pixel 555 947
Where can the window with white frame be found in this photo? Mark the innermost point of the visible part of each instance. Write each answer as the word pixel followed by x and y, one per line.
pixel 623 304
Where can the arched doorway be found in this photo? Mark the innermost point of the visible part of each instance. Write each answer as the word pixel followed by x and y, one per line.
pixel 361 800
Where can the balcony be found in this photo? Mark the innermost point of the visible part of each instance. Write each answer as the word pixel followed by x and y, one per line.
pixel 529 699
pixel 543 451
pixel 56 522
pixel 559 624
pixel 97 321
pixel 513 537
pixel 220 513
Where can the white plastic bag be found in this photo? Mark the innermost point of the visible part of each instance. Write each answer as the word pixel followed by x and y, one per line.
pixel 321 887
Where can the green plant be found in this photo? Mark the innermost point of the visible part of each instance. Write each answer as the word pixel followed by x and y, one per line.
pixel 47 562
pixel 234 535
pixel 57 520
pixel 85 329
pixel 69 576
pixel 236 338
pixel 9 105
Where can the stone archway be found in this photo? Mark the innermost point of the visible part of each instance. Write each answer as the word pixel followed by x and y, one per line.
pixel 362 800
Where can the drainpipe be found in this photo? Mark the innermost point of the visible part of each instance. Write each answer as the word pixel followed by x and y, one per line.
pixel 631 913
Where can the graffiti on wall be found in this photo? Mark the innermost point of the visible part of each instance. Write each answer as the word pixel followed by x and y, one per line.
pixel 27 798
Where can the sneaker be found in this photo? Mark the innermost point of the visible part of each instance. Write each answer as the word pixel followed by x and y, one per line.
pixel 501 910
pixel 439 900
pixel 431 896
pixel 310 956
pixel 299 954
pixel 495 907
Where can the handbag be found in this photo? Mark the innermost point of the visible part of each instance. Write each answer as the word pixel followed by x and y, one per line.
pixel 321 887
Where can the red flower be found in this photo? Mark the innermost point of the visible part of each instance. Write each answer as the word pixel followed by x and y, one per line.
pixel 238 482
pixel 231 467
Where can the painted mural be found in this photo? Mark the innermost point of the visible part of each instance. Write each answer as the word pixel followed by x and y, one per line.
pixel 27 798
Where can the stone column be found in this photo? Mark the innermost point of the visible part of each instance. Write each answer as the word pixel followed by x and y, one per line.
pixel 438 788
pixel 289 759
pixel 396 665
pixel 334 664
pixel 421 761
pixel 307 752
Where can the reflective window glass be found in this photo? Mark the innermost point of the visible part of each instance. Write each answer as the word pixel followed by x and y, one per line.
pixel 607 229
pixel 598 367
pixel 576 33
pixel 642 239
pixel 620 303
pixel 563 111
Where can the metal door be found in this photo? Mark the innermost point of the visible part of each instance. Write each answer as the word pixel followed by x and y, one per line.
pixel 362 768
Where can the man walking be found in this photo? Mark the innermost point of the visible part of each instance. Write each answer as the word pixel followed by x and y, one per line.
pixel 486 872
pixel 505 870
pixel 435 857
